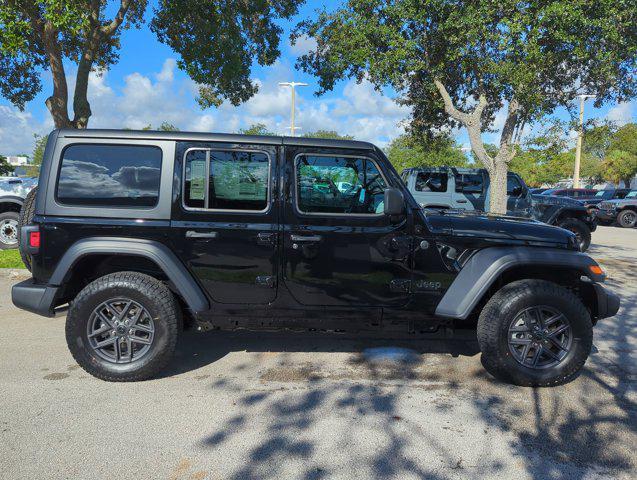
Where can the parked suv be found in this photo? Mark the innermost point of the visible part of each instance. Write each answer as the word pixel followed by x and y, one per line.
pixel 468 189
pixel 603 195
pixel 623 211
pixel 144 233
pixel 577 193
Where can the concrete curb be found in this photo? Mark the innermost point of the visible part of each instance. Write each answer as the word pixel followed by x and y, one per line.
pixel 15 273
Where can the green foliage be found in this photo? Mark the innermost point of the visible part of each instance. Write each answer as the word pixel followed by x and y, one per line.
pixel 163 127
pixel 620 163
pixel 218 41
pixel 536 52
pixel 38 149
pixel 5 167
pixel 328 134
pixel 11 259
pixel 256 129
pixel 408 151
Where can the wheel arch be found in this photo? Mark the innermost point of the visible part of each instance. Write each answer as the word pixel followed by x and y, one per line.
pixel 10 204
pixel 148 257
pixel 490 268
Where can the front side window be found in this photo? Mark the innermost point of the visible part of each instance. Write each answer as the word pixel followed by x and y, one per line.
pixel 338 185
pixel 469 183
pixel 226 180
pixel 110 175
pixel 431 182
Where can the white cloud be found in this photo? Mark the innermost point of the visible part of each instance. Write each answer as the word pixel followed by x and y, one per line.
pixel 303 45
pixel 622 113
pixel 167 96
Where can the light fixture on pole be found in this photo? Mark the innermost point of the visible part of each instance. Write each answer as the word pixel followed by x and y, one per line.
pixel 580 134
pixel 293 86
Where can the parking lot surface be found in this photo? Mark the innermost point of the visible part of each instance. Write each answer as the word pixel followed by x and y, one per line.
pixel 284 405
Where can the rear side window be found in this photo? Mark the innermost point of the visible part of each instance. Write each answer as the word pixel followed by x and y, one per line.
pixel 110 175
pixel 469 183
pixel 514 187
pixel 431 182
pixel 339 185
pixel 226 180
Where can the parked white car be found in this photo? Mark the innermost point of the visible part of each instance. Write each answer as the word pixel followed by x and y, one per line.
pixel 13 191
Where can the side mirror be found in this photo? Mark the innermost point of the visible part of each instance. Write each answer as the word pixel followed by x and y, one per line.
pixel 394 202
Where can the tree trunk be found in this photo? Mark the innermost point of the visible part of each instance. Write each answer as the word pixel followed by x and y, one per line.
pixel 57 103
pixel 81 105
pixel 498 187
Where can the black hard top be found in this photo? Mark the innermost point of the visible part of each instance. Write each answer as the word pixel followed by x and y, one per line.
pixel 213 137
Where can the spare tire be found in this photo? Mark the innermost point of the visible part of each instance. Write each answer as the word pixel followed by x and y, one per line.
pixel 26 216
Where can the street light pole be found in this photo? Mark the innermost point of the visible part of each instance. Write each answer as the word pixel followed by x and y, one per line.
pixel 580 135
pixel 293 86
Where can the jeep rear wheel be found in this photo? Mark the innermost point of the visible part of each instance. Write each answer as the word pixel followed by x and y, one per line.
pixel 123 327
pixel 534 333
pixel 581 231
pixel 627 218
pixel 26 216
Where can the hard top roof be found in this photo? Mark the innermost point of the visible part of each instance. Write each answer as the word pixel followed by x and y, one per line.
pixel 213 137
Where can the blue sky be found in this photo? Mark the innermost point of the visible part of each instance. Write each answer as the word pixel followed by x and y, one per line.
pixel 145 87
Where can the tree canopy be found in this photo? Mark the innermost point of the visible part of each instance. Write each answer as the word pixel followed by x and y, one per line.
pixel 410 150
pixel 5 167
pixel 327 134
pixel 460 62
pixel 216 41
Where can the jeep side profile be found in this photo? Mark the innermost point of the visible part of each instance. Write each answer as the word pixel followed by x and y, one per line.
pixel 468 189
pixel 140 234
pixel 623 211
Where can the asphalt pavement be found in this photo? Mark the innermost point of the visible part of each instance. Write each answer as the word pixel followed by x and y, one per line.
pixel 310 406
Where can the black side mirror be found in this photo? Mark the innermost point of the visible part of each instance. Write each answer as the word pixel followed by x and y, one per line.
pixel 394 202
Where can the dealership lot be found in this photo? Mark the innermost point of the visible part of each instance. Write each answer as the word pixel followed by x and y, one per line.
pixel 284 405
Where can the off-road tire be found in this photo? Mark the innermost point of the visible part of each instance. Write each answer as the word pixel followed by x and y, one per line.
pixel 502 309
pixel 143 289
pixel 12 216
pixel 580 229
pixel 26 216
pixel 627 218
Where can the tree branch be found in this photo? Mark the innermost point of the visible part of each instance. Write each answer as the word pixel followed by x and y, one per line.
pixel 508 131
pixel 110 29
pixel 472 122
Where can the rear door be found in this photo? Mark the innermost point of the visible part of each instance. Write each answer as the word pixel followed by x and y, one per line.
pixel 470 191
pixel 339 249
pixel 224 222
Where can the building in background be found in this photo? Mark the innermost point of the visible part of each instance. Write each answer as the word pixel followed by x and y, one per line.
pixel 17 161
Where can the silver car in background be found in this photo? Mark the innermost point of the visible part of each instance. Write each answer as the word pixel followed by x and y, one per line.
pixel 13 191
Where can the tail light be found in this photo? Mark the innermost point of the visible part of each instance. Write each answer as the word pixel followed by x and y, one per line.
pixel 34 239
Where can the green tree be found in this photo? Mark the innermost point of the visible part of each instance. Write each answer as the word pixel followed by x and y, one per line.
pixel 256 129
pixel 407 151
pixel 620 163
pixel 5 167
pixel 217 43
pixel 459 62
pixel 328 134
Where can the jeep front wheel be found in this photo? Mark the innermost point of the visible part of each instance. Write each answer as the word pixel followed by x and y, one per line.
pixel 534 333
pixel 581 231
pixel 123 327
pixel 627 218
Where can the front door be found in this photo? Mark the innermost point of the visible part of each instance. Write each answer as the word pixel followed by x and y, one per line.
pixel 469 192
pixel 225 224
pixel 339 249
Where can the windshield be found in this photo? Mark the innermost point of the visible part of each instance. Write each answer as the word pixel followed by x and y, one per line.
pixel 549 191
pixel 632 194
pixel 600 193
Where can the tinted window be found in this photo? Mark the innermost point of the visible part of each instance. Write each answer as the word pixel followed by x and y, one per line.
pixel 514 187
pixel 110 175
pixel 469 182
pixel 620 194
pixel 338 185
pixel 226 180
pixel 431 182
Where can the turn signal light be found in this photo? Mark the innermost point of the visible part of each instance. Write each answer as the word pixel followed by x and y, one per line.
pixel 34 239
pixel 596 269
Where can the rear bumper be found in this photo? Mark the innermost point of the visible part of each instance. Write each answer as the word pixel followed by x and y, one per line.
pixel 607 302
pixel 34 298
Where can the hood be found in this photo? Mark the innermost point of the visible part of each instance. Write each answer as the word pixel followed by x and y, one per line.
pixel 555 200
pixel 621 201
pixel 501 230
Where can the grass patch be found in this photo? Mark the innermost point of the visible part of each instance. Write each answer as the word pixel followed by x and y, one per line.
pixel 11 259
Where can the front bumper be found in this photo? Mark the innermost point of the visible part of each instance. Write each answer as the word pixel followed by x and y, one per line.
pixel 34 298
pixel 607 302
pixel 607 215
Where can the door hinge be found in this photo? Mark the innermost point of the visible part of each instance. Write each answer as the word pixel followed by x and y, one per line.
pixel 265 281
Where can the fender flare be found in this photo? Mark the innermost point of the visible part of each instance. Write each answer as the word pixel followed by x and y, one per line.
pixel 12 199
pixel 555 214
pixel 485 266
pixel 154 251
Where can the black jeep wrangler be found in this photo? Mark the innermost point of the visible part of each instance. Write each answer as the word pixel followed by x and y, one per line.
pixel 143 233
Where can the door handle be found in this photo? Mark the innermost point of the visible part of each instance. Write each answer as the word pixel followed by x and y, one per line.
pixel 461 201
pixel 266 238
pixel 193 234
pixel 303 238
